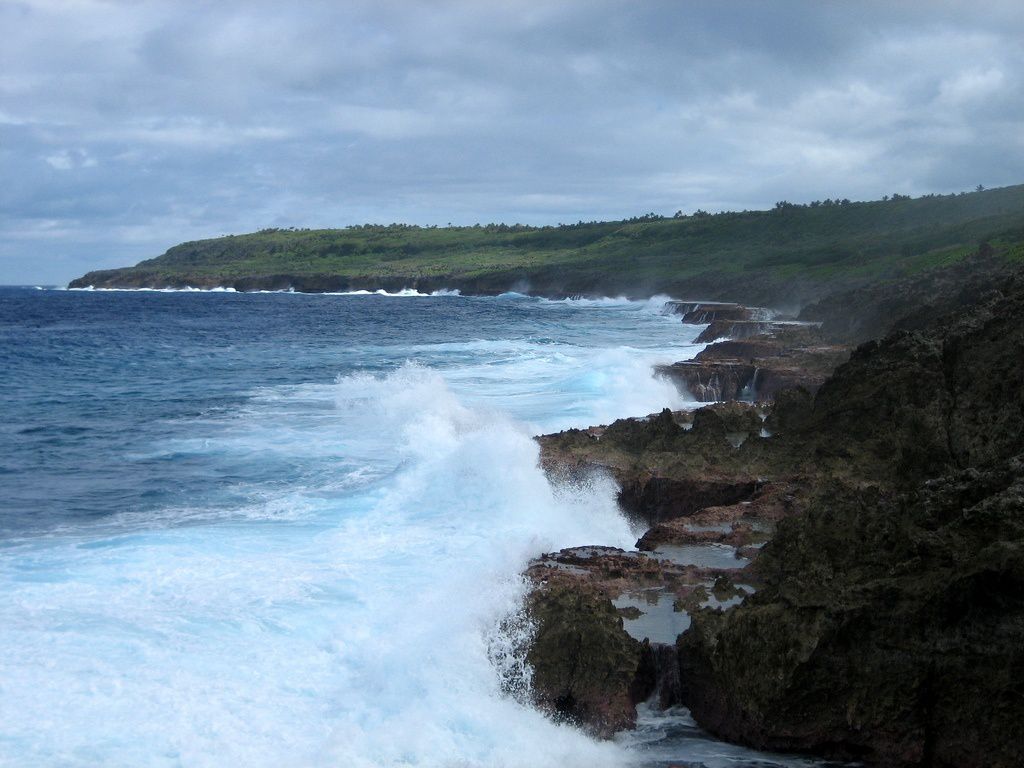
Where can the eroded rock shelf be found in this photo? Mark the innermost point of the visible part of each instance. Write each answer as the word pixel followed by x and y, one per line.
pixel 841 551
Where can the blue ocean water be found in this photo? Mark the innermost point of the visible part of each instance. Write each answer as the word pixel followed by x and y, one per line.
pixel 281 529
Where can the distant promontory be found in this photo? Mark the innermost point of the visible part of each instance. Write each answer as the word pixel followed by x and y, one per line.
pixel 790 254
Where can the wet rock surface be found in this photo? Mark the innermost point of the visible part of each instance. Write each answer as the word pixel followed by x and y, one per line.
pixel 606 622
pixel 584 663
pixel 890 623
pixel 682 531
pixel 737 329
pixel 756 367
pixel 672 465
pixel 887 623
pixel 703 312
pixel 887 628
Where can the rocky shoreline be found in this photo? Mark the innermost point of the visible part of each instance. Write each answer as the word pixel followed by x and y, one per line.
pixel 833 559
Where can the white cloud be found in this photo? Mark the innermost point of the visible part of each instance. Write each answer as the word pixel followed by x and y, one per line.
pixel 382 123
pixel 8 119
pixel 191 132
pixel 972 85
pixel 70 159
pixel 204 118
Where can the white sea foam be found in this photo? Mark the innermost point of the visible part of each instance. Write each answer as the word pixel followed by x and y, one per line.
pixel 347 614
pixel 185 289
pixel 357 634
pixel 652 304
pixel 404 293
pixel 336 599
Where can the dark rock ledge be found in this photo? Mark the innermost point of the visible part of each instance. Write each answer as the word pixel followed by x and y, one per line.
pixel 883 620
pixel 756 361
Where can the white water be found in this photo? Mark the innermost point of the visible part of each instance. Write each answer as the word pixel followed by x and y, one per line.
pixel 346 617
pixel 402 293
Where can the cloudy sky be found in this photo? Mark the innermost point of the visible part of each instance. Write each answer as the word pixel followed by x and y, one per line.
pixel 127 127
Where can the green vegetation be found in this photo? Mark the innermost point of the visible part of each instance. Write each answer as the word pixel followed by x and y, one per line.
pixel 1013 248
pixel 752 255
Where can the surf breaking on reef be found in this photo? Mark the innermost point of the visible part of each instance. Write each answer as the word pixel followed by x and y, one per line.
pixel 328 588
pixel 296 544
pixel 403 293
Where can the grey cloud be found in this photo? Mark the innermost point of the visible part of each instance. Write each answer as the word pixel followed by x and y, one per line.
pixel 126 127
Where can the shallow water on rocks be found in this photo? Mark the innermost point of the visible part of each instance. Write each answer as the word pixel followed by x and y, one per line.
pixel 659 621
pixel 672 739
pixel 703 555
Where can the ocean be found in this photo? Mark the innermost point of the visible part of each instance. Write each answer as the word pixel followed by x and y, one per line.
pixel 282 529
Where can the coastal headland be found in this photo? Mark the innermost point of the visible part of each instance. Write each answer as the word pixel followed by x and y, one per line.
pixel 833 552
pixel 785 257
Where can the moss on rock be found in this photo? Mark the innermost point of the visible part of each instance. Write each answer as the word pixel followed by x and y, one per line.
pixel 584 663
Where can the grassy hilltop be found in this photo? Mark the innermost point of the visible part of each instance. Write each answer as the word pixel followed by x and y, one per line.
pixel 788 254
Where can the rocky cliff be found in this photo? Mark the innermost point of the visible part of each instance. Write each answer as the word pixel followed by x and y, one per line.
pixel 888 621
pixel 756 366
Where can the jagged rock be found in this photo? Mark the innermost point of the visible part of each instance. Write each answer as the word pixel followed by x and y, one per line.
pixel 685 308
pixel 919 403
pixel 889 626
pixel 708 382
pixel 758 368
pixel 656 498
pixel 701 314
pixel 889 621
pixel 655 432
pixel 740 349
pixel 790 412
pixel 890 630
pixel 717 380
pixel 666 470
pixel 584 663
pixel 721 419
pixel 586 667
pixel 611 572
pixel 736 329
pixel 682 531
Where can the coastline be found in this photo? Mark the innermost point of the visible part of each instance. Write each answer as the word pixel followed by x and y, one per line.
pixel 627 606
pixel 788 256
pixel 298 511
pixel 790 649
pixel 721 480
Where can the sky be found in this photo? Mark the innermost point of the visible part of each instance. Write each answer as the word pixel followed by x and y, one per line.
pixel 128 127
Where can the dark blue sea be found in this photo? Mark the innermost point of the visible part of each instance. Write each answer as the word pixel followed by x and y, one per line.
pixel 282 529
